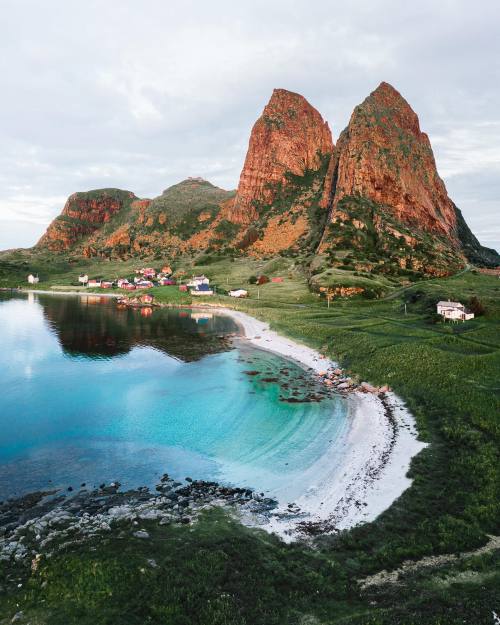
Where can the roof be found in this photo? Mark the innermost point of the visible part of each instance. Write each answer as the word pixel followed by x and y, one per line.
pixel 203 287
pixel 451 304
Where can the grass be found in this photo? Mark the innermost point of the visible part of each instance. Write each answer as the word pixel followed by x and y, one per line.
pixel 220 572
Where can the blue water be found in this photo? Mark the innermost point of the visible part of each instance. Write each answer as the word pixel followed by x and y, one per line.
pixel 91 393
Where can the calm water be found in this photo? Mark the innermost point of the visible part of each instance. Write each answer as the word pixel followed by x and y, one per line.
pixel 92 393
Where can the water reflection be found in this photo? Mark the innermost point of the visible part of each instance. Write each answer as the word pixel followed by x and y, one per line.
pixel 96 327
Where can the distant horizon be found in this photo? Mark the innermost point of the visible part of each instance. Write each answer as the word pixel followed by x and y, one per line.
pixel 110 108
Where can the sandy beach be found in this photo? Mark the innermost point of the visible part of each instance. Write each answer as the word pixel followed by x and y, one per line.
pixel 362 473
pixel 366 469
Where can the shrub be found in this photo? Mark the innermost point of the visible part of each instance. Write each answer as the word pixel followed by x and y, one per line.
pixel 476 306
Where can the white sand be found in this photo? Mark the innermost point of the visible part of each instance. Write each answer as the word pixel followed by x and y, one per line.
pixel 365 470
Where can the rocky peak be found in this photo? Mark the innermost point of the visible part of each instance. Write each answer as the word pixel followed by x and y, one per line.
pixel 289 137
pixel 83 214
pixel 383 156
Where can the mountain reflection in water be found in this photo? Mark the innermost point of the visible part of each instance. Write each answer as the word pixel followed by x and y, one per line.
pixel 96 327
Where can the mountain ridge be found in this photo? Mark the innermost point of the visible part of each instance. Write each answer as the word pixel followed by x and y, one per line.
pixel 375 195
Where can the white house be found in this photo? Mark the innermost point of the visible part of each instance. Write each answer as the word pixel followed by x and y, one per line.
pixel 83 278
pixel 238 293
pixel 454 311
pixel 33 279
pixel 94 283
pixel 202 289
pixel 197 281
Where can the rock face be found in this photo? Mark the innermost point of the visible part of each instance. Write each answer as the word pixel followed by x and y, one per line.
pixel 387 204
pixel 374 203
pixel 83 214
pixel 383 156
pixel 290 137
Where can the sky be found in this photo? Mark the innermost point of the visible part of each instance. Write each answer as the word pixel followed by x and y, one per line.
pixel 141 95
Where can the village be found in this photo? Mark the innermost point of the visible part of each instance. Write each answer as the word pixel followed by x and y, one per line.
pixel 148 277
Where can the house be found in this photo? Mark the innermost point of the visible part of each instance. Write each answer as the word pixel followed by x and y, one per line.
pixel 83 279
pixel 129 286
pixel 144 284
pixel 94 283
pixel 167 270
pixel 106 284
pixel 197 280
pixel 238 293
pixel 455 311
pixel 149 272
pixel 33 279
pixel 166 282
pixel 121 282
pixel 202 289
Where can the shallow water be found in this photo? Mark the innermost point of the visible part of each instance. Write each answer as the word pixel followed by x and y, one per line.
pixel 92 393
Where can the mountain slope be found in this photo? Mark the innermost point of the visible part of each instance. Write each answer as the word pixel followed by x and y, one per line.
pixel 82 215
pixel 374 203
pixel 388 206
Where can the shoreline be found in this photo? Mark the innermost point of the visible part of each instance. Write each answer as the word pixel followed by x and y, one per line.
pixel 362 473
pixel 80 293
pixel 366 468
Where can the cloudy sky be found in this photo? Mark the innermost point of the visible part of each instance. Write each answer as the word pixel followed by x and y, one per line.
pixel 140 95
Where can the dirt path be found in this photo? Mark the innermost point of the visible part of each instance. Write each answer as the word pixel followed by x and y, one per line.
pixel 410 566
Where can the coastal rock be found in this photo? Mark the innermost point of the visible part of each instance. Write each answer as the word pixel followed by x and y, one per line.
pixel 288 138
pixel 386 200
pixel 141 534
pixel 82 215
pixel 384 156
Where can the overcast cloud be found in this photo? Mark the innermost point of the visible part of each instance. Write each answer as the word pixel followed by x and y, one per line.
pixel 140 95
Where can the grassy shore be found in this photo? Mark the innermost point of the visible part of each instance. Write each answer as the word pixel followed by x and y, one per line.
pixel 218 572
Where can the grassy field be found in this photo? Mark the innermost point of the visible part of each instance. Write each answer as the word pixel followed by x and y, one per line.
pixel 218 572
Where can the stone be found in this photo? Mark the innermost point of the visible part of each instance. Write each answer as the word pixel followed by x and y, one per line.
pixel 141 534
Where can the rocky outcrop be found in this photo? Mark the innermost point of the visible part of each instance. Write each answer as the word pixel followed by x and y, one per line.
pixel 373 203
pixel 384 156
pixel 83 214
pixel 290 137
pixel 385 197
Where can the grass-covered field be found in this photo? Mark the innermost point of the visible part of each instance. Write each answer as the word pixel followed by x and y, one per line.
pixel 218 572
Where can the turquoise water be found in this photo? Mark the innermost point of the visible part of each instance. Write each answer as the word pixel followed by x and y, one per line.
pixel 91 393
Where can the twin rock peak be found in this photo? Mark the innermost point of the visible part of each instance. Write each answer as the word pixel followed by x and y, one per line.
pixel 375 196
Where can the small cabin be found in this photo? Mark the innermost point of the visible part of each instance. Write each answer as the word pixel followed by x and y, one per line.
pixel 454 311
pixel 149 272
pixel 238 293
pixel 33 279
pixel 167 270
pixel 94 283
pixel 83 278
pixel 144 284
pixel 121 282
pixel 106 284
pixel 166 282
pixel 197 281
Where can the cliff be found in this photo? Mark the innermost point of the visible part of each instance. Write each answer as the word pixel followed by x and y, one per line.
pixel 290 137
pixel 82 215
pixel 385 196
